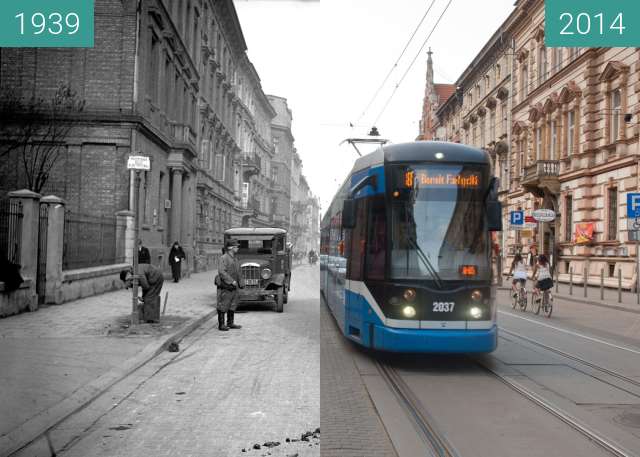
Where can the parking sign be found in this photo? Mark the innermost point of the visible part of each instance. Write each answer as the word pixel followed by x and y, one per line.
pixel 633 205
pixel 517 217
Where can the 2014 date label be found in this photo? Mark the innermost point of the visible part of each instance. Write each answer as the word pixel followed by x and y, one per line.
pixel 591 23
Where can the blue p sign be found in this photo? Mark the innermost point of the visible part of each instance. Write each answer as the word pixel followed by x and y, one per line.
pixel 633 205
pixel 517 218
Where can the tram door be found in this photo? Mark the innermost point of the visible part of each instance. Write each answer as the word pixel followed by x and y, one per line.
pixel 355 271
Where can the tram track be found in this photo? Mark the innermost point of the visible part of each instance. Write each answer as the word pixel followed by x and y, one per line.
pixel 422 420
pixel 578 359
pixel 593 435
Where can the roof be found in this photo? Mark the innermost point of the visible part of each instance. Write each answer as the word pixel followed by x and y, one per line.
pixel 255 231
pixel 444 91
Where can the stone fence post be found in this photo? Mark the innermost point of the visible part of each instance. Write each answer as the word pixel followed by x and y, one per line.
pixel 55 248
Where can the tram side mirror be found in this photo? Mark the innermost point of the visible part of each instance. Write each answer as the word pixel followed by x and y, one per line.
pixel 349 213
pixel 494 216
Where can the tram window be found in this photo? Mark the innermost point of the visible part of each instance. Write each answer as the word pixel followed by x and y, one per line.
pixel 358 241
pixel 376 245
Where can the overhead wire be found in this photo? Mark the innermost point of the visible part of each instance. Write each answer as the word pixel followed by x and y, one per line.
pixel 395 89
pixel 394 66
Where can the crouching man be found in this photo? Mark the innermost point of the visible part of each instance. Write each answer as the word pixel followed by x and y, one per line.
pixel 150 280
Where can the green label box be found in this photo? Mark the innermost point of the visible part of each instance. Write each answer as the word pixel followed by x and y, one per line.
pixel 592 23
pixel 46 23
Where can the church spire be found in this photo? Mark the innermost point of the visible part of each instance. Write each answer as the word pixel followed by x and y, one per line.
pixel 429 67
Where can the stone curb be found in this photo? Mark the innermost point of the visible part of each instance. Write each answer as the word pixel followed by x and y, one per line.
pixel 29 432
pixel 587 302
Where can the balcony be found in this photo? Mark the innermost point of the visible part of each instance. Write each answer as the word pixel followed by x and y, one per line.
pixel 542 176
pixel 250 166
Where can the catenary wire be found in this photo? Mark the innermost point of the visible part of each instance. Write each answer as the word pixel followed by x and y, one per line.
pixel 394 66
pixel 395 89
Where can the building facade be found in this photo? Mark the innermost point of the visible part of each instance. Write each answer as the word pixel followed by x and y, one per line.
pixel 434 96
pixel 281 175
pixel 564 137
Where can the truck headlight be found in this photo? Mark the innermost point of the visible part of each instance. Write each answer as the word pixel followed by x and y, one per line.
pixel 266 273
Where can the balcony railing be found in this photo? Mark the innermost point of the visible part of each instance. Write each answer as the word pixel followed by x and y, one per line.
pixel 251 165
pixel 542 175
pixel 542 169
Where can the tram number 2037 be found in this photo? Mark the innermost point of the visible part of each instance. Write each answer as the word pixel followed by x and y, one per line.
pixel 443 306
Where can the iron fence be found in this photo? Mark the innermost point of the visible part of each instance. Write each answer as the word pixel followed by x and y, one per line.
pixel 89 241
pixel 11 229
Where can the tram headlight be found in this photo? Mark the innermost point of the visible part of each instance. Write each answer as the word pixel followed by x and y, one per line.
pixel 266 273
pixel 409 295
pixel 476 295
pixel 409 311
pixel 475 312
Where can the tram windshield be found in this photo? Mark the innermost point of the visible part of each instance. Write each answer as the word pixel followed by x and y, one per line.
pixel 438 226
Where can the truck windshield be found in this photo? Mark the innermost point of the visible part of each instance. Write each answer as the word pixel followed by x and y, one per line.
pixel 255 246
pixel 437 223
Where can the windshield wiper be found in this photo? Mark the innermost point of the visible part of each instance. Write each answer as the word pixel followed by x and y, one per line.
pixel 426 261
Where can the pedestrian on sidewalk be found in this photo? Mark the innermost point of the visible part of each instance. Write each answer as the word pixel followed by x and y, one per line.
pixel 143 253
pixel 150 280
pixel 176 256
pixel 228 282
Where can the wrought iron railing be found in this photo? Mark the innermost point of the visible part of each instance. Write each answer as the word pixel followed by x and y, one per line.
pixel 89 241
pixel 11 229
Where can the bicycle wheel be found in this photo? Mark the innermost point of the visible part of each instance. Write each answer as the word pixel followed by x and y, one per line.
pixel 535 303
pixel 548 304
pixel 522 299
pixel 514 300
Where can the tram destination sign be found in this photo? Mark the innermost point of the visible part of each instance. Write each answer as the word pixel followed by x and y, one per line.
pixel 441 179
pixel 544 215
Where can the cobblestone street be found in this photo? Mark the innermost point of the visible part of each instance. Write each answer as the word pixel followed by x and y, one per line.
pixel 222 393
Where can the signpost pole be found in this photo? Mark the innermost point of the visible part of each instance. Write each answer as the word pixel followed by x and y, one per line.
pixel 136 228
pixel 637 225
pixel 136 163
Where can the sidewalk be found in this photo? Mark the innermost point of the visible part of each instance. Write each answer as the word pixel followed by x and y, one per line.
pixel 58 359
pixel 628 299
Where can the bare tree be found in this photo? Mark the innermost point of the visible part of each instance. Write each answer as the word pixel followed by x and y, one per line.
pixel 36 130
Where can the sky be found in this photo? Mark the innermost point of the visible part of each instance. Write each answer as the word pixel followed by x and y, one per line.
pixel 328 58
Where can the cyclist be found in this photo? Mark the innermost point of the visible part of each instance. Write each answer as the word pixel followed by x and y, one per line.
pixel 542 273
pixel 519 270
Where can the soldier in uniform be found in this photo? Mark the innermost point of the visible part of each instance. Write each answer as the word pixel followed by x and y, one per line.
pixel 228 284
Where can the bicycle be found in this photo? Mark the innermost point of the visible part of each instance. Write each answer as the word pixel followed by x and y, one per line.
pixel 545 302
pixel 521 298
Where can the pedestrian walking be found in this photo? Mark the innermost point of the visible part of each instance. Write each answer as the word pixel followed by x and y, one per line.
pixel 228 282
pixel 176 256
pixel 143 253
pixel 150 279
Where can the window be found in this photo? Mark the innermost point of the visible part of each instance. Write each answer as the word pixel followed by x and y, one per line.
pixel 483 136
pixel 571 120
pixel 554 141
pixel 357 241
pixel 557 59
pixel 524 83
pixel 153 69
pixel 539 143
pixel 612 207
pixel 160 199
pixel 542 65
pixel 376 245
pixel 615 115
pixel 475 135
pixel 492 125
pixel 523 145
pixel 568 218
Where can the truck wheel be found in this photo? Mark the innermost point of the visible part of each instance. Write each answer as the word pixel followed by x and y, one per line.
pixel 285 297
pixel 280 300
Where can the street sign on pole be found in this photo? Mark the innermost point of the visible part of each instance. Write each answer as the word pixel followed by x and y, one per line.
pixel 516 217
pixel 633 227
pixel 544 215
pixel 633 205
pixel 139 163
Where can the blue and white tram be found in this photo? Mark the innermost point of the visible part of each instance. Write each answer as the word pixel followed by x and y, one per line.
pixel 406 251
